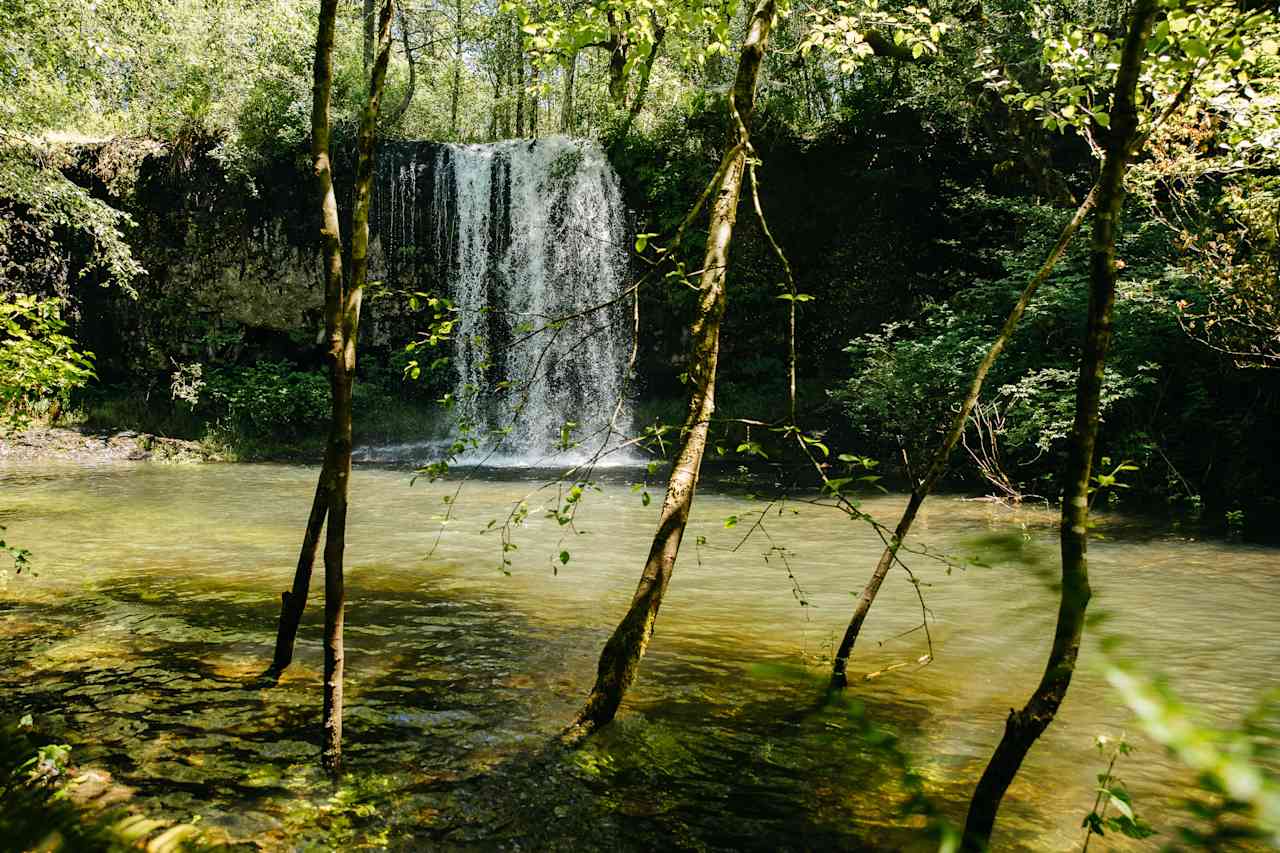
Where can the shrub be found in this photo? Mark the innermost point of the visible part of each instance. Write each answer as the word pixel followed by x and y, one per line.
pixel 268 398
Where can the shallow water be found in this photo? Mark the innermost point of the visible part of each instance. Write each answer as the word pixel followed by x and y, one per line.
pixel 157 590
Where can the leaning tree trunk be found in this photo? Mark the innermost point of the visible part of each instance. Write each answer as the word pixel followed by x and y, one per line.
pixel 938 464
pixel 620 659
pixel 342 316
pixel 1023 727
pixel 294 601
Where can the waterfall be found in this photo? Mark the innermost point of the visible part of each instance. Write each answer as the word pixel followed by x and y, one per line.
pixel 521 235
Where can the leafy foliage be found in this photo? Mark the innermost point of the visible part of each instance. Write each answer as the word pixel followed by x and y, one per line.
pixel 34 811
pixel 1240 794
pixel 1113 795
pixel 38 360
pixel 269 398
pixel 908 375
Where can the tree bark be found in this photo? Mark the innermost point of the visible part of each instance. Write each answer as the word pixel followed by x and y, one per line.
pixel 566 105
pixel 618 47
pixel 507 106
pixel 456 92
pixel 637 103
pixel 342 317
pixel 619 662
pixel 493 116
pixel 938 464
pixel 367 24
pixel 534 75
pixel 342 353
pixel 331 252
pixel 398 112
pixel 519 85
pixel 1022 728
pixel 294 601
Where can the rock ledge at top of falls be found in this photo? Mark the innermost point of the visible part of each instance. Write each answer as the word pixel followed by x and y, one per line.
pixel 61 444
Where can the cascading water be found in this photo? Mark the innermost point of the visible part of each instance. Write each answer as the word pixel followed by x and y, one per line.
pixel 526 237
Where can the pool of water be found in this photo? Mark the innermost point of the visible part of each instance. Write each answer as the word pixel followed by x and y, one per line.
pixel 156 590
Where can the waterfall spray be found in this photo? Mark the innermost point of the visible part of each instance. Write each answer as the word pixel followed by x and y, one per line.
pixel 520 234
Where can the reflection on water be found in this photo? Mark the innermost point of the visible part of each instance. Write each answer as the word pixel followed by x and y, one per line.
pixel 157 592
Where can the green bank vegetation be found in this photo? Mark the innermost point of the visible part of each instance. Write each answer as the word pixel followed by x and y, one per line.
pixel 1025 247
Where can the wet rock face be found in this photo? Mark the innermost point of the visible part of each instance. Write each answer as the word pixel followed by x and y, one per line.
pixel 38 443
pixel 527 237
pixel 516 233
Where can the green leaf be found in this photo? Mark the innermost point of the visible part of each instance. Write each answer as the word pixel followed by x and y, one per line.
pixel 1120 805
pixel 1195 49
pixel 564 558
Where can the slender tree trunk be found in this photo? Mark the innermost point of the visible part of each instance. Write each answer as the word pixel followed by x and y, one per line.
pixel 637 103
pixel 534 75
pixel 620 659
pixel 1023 727
pixel 495 117
pixel 294 601
pixel 455 94
pixel 519 84
pixel 398 112
pixel 504 111
pixel 342 317
pixel 367 21
pixel 938 465
pixel 566 105
pixel 334 546
pixel 331 251
pixel 342 372
pixel 618 49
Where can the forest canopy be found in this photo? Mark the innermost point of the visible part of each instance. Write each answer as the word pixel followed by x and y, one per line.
pixel 1028 252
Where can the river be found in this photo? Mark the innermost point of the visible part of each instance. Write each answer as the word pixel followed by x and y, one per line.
pixel 156 590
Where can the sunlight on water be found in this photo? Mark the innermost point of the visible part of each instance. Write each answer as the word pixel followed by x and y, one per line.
pixel 157 590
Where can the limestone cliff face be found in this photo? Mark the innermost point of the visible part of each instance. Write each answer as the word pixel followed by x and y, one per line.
pixel 516 233
pixel 232 262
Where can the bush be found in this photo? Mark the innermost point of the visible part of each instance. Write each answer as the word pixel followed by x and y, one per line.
pixel 268 398
pixel 909 377
pixel 38 361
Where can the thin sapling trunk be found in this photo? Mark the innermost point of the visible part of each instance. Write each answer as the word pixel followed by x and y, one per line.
pixel 342 317
pixel 1024 727
pixel 620 659
pixel 938 465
